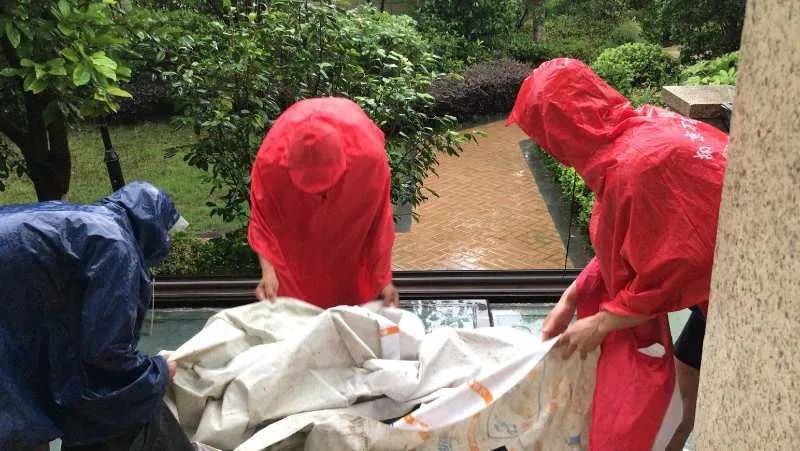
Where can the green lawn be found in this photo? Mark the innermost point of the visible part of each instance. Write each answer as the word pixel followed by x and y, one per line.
pixel 141 148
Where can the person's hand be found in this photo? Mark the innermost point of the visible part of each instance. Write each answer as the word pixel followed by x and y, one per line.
pixel 584 336
pixel 559 318
pixel 267 289
pixel 390 296
pixel 172 367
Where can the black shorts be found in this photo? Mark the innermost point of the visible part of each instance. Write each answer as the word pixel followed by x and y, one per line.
pixel 689 346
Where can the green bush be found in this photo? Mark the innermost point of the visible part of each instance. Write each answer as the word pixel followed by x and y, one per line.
pixel 522 47
pixel 650 95
pixel 628 31
pixel 473 19
pixel 577 36
pixel 717 71
pixel 485 89
pixel 705 28
pixel 454 51
pixel 228 255
pixel 634 65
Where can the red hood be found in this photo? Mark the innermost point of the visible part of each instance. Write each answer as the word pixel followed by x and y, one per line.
pixel 315 138
pixel 572 114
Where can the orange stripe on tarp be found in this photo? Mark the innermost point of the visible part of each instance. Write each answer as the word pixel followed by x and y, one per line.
pixel 482 391
pixel 391 330
pixel 409 419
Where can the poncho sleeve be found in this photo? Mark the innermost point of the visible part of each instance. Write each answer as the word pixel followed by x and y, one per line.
pixel 379 244
pixel 662 264
pixel 265 216
pixel 114 373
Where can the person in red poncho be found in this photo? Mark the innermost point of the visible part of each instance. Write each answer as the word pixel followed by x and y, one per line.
pixel 321 216
pixel 657 178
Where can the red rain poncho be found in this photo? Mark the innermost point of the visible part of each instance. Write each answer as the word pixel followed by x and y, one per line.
pixel 320 204
pixel 657 177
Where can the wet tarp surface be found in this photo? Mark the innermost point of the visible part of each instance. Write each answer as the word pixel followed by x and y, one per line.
pixel 288 375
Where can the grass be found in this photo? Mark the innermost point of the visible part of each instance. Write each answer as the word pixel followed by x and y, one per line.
pixel 141 148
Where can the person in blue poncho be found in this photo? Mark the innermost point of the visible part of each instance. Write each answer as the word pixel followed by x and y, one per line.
pixel 74 290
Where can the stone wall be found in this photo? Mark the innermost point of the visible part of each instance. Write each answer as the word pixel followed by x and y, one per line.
pixel 750 378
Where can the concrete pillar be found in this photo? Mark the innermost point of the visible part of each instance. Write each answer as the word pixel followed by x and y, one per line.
pixel 750 378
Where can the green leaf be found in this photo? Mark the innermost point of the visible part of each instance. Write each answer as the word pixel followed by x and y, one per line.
pixel 25 62
pixel 38 85
pixel 124 72
pixel 27 82
pixel 9 72
pixel 117 91
pixel 13 34
pixel 105 65
pixel 63 7
pixel 81 75
pixel 70 54
pixel 58 70
pixel 96 10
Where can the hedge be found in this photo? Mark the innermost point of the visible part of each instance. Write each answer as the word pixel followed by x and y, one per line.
pixel 485 89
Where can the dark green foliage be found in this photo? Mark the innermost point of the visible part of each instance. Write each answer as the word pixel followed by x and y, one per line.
pixel 473 19
pixel 717 71
pixel 521 46
pixel 485 89
pixel 705 28
pixel 228 255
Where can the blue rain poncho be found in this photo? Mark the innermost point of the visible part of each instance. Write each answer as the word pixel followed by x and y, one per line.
pixel 74 290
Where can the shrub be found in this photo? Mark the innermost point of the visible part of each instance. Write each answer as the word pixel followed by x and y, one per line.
pixel 228 255
pixel 650 95
pixel 705 28
pixel 718 71
pixel 576 36
pixel 453 50
pixel 149 99
pixel 522 47
pixel 473 19
pixel 634 65
pixel 628 31
pixel 484 89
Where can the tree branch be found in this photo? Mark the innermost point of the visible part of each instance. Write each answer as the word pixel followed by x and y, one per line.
pixel 14 133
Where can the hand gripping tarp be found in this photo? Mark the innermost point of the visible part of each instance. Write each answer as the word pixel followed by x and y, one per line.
pixel 288 375
pixel 320 204
pixel 657 178
pixel 74 290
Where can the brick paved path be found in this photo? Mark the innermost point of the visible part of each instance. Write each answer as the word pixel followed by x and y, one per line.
pixel 489 215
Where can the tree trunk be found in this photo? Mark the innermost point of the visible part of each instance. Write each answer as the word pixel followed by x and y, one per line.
pixel 537 17
pixel 46 153
pixel 523 16
pixel 44 146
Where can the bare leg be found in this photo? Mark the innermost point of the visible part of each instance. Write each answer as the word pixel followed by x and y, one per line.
pixel 688 379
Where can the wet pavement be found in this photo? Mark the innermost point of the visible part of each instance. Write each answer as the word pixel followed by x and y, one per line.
pixel 490 213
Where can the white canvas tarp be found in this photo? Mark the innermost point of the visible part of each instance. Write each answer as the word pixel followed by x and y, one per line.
pixel 287 375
